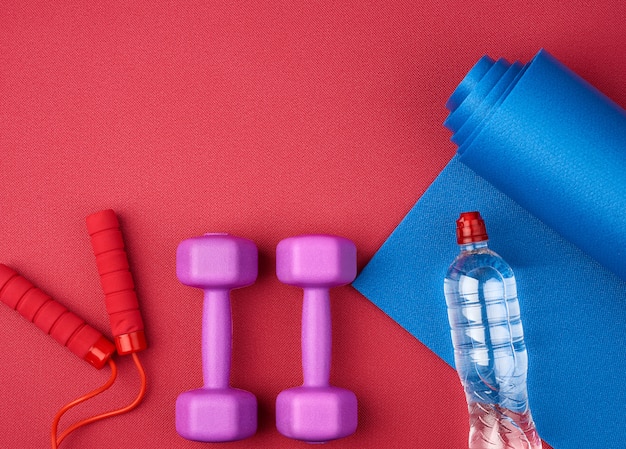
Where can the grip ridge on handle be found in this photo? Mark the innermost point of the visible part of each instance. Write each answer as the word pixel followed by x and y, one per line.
pixel 117 281
pixel 54 318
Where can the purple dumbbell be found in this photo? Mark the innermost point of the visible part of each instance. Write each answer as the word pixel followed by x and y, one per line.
pixel 216 412
pixel 316 411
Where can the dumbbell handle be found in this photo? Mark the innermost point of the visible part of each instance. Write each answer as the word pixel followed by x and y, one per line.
pixel 316 337
pixel 53 318
pixel 217 334
pixel 117 281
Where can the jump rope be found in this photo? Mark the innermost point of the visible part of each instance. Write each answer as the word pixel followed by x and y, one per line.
pixel 73 332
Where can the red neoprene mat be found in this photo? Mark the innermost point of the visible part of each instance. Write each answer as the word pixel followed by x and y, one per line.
pixel 262 119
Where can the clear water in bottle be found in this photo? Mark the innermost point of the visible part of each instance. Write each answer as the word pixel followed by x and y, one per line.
pixel 488 338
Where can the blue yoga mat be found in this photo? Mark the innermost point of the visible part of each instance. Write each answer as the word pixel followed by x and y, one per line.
pixel 551 154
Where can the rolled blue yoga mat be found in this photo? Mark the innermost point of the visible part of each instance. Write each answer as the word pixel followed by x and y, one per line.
pixel 551 154
pixel 553 143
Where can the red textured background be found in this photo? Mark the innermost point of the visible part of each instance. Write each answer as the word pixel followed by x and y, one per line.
pixel 262 119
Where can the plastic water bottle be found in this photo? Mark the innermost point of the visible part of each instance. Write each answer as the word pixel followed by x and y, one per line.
pixel 489 350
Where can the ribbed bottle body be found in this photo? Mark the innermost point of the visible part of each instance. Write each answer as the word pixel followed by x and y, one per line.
pixel 489 349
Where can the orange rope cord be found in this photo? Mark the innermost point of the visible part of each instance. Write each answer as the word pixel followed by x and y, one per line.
pixel 128 408
pixel 80 400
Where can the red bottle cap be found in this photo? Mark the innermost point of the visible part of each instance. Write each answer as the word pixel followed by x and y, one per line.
pixel 470 228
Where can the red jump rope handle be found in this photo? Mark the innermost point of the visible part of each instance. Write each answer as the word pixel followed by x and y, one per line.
pixel 117 282
pixel 53 318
